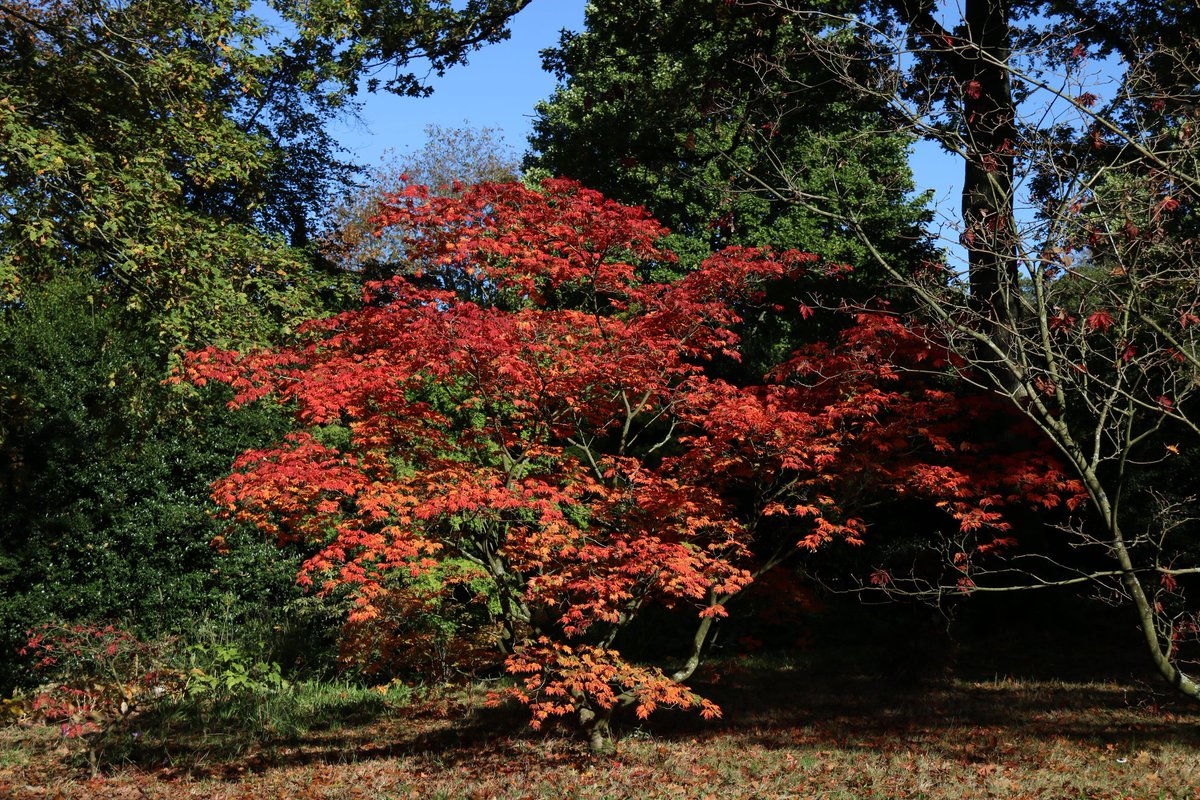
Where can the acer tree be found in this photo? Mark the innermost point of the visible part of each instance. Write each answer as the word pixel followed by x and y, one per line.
pixel 1101 354
pixel 561 429
pixel 1070 282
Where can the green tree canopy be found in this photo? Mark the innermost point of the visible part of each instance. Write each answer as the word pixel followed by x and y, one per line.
pixel 160 146
pixel 361 40
pixel 177 149
pixel 163 165
pixel 672 105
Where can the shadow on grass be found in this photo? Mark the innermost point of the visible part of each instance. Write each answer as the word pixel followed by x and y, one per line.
pixel 770 708
pixel 905 678
pixel 882 686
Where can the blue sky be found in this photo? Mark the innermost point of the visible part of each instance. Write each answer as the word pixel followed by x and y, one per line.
pixel 502 82
pixel 497 89
pixel 500 85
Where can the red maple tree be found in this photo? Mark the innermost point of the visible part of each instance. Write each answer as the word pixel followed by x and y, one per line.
pixel 556 422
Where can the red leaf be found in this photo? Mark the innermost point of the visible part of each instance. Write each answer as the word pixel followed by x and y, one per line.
pixel 1100 321
pixel 499 429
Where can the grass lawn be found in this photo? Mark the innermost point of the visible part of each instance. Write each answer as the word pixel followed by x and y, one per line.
pixel 795 726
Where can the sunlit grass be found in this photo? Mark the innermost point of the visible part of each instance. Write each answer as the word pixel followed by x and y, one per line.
pixel 845 720
pixel 786 735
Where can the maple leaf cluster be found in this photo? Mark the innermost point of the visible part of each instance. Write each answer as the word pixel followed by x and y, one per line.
pixel 547 413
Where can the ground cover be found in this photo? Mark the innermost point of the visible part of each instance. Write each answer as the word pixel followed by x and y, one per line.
pixel 796 724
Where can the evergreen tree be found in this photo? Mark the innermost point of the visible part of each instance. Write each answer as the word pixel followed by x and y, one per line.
pixel 673 104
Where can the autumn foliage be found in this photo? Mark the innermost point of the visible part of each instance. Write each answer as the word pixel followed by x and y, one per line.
pixel 529 403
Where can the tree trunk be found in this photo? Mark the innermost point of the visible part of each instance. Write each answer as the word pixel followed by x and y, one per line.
pixel 988 120
pixel 597 726
pixel 1144 606
pixel 1143 603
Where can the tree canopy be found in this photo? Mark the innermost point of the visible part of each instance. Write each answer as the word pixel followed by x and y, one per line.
pixel 557 423
pixel 669 104
pixel 164 168
pixel 557 428
pixel 159 148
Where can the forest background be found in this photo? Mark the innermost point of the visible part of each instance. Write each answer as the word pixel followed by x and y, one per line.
pixel 268 415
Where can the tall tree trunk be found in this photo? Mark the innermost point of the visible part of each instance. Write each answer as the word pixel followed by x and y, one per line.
pixel 988 123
